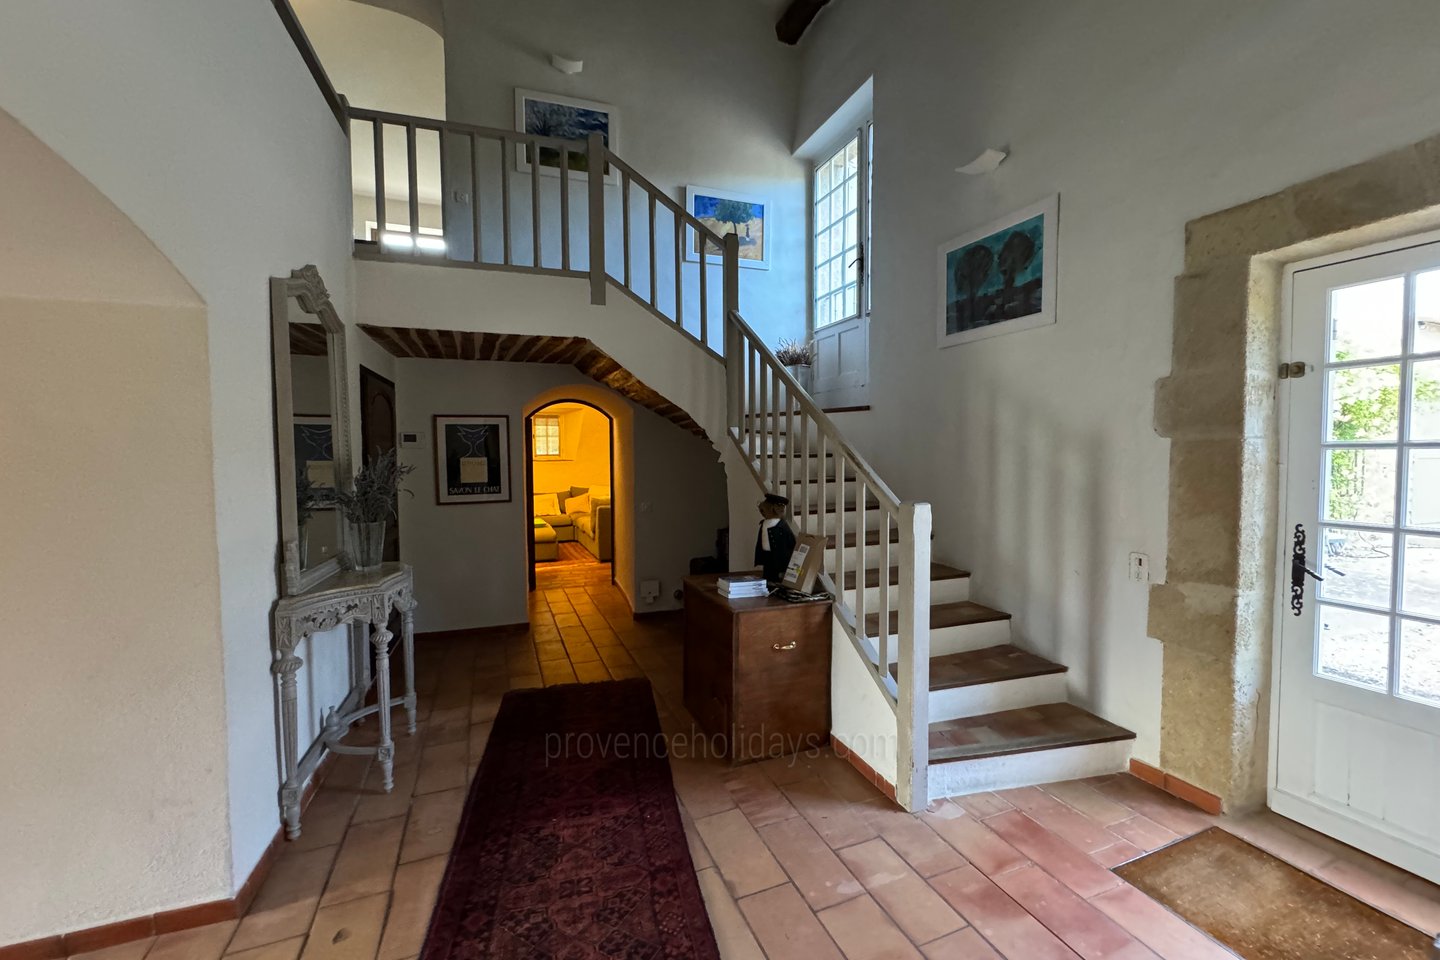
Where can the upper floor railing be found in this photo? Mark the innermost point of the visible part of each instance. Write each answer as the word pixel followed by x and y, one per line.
pixel 501 199
pixel 488 198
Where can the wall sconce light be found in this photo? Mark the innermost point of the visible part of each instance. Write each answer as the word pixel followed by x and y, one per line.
pixel 566 65
pixel 985 163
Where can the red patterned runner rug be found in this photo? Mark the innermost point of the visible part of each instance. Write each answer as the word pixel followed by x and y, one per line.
pixel 571 845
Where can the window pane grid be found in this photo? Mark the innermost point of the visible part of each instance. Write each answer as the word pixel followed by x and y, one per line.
pixel 1378 618
pixel 547 436
pixel 835 245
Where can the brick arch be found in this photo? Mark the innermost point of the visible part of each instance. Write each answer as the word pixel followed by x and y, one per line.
pixel 1214 615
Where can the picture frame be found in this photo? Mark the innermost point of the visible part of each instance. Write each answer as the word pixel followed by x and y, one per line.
pixel 703 203
pixel 999 278
pixel 568 118
pixel 472 459
pixel 314 441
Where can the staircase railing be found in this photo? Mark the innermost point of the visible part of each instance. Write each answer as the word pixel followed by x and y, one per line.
pixel 495 213
pixel 791 444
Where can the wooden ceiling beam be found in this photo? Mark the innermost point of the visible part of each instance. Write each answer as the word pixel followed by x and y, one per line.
pixel 797 19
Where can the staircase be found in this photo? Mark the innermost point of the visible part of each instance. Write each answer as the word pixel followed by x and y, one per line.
pixel 951 704
pixel 995 714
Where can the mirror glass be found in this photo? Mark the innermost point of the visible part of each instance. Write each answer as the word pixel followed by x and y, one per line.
pixel 314 440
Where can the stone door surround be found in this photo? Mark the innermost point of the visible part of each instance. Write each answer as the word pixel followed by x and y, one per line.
pixel 1214 614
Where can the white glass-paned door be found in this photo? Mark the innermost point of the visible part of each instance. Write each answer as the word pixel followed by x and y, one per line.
pixel 1357 746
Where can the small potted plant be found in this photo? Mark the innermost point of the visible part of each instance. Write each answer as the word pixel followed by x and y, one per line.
pixel 369 503
pixel 797 358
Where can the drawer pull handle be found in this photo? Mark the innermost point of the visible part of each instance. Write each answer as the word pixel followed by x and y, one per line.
pixel 783 646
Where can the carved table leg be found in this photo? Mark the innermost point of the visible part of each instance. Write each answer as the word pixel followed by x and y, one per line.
pixel 365 655
pixel 409 640
pixel 285 668
pixel 385 752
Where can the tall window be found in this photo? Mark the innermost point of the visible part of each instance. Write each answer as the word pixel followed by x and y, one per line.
pixel 547 436
pixel 841 238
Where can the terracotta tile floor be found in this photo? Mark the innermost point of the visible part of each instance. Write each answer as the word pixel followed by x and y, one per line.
pixel 797 859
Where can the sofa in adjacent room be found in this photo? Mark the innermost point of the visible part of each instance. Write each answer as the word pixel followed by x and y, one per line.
pixel 581 514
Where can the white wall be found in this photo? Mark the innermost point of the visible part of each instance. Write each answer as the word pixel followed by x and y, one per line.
pixel 470 559
pixel 203 126
pixel 1043 466
pixel 705 95
pixel 109 567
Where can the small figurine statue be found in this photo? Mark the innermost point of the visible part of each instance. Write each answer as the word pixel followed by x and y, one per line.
pixel 776 541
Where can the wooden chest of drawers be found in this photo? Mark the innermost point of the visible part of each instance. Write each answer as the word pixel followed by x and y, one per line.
pixel 757 672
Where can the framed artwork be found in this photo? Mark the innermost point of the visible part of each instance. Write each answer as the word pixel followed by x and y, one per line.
pixel 726 212
pixel 1000 278
pixel 315 454
pixel 472 459
pixel 567 118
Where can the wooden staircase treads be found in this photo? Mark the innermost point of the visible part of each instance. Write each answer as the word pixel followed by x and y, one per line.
pixel 990 665
pixel 958 614
pixel 938 571
pixel 1046 727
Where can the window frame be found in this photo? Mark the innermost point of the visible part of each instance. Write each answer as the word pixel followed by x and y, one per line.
pixel 545 420
pixel 863 136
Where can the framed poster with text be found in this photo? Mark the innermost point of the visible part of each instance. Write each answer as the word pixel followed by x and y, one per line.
pixel 472 459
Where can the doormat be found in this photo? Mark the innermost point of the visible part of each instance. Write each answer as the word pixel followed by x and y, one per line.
pixel 571 843
pixel 1264 909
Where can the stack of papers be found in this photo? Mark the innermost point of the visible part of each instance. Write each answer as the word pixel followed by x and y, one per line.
pixel 743 587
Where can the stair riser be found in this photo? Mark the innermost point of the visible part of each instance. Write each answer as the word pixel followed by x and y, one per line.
pixel 961 777
pixel 795 489
pixel 872 556
pixel 980 698
pixel 941 591
pixel 830 522
pixel 778 444
pixel 969 636
pixel 805 468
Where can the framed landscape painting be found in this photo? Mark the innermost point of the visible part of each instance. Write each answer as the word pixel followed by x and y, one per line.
pixel 565 118
pixel 472 459
pixel 726 212
pixel 1000 278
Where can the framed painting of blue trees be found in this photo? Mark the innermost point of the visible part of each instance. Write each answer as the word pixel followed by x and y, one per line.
pixel 999 278
pixel 563 118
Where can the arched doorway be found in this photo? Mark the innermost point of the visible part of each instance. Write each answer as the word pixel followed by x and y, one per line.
pixel 570 483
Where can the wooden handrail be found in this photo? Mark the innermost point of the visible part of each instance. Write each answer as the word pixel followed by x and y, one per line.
pixel 333 100
pixel 451 126
pixel 665 201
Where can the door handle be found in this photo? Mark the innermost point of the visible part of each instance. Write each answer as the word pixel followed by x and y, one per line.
pixel 784 646
pixel 1299 570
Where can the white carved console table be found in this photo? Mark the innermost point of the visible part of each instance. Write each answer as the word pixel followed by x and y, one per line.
pixel 349 597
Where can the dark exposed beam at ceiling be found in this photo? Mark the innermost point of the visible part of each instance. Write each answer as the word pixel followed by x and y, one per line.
pixel 796 19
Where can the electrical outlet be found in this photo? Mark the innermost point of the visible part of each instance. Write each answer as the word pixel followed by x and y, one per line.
pixel 1140 567
pixel 462 197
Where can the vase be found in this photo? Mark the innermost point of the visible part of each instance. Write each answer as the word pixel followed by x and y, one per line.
pixel 368 542
pixel 801 373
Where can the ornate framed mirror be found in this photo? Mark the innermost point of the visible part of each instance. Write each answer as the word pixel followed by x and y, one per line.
pixel 312 428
